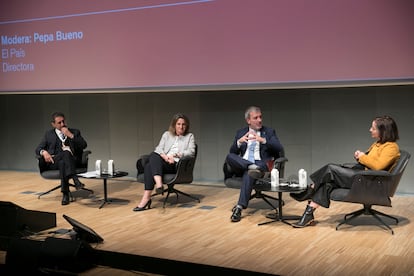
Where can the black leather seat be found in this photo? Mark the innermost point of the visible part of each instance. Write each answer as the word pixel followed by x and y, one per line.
pixel 232 180
pixel 55 174
pixel 184 175
pixel 372 188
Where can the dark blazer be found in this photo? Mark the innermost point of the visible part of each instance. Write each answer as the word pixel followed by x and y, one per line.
pixel 270 150
pixel 53 145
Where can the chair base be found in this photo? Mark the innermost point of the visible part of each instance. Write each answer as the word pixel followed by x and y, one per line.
pixel 367 210
pixel 58 187
pixel 172 190
pixel 265 197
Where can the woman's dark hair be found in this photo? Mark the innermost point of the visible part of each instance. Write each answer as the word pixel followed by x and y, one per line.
pixel 174 120
pixel 387 128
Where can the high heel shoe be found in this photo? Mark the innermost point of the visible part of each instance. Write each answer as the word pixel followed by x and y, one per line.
pixel 307 219
pixel 159 190
pixel 138 209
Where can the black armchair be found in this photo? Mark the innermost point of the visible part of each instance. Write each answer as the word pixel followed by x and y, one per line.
pixel 232 180
pixel 372 188
pixel 54 174
pixel 184 175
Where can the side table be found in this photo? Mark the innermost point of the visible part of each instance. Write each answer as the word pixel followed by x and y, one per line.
pixel 105 178
pixel 280 189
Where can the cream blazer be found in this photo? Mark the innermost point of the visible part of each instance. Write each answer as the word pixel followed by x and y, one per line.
pixel 186 144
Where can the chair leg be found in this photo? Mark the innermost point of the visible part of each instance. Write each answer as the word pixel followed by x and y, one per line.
pixel 83 188
pixel 367 210
pixel 382 222
pixel 185 194
pixel 58 187
pixel 268 202
pixel 352 216
pixel 265 197
pixel 385 215
pixel 355 214
pixel 49 191
pixel 171 190
pixel 88 190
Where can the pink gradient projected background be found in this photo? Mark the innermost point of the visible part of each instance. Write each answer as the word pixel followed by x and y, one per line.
pixel 53 45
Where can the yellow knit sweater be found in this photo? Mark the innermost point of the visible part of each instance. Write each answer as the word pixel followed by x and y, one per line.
pixel 381 156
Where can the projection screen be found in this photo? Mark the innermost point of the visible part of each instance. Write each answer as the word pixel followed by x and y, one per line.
pixel 166 45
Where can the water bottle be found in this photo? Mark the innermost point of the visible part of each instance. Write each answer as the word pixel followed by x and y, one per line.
pixel 302 176
pixel 98 167
pixel 111 167
pixel 274 177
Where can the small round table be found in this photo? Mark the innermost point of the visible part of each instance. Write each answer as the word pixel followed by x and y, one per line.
pixel 265 186
pixel 105 178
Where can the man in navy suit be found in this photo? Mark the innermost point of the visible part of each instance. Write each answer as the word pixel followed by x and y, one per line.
pixel 252 148
pixel 61 148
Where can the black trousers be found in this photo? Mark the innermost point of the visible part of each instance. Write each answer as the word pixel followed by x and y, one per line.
pixel 156 166
pixel 65 162
pixel 329 177
pixel 240 167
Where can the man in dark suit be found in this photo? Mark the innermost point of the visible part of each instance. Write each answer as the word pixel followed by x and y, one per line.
pixel 61 148
pixel 252 148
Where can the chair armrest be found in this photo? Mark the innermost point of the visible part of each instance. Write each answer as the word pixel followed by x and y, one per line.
pixel 186 158
pixel 185 168
pixel 85 156
pixel 349 165
pixel 281 160
pixel 142 160
pixel 373 173
pixel 183 161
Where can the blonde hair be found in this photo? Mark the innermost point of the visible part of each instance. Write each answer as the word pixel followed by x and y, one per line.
pixel 174 120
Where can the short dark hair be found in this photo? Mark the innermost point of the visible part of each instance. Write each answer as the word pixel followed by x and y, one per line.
pixel 387 128
pixel 57 114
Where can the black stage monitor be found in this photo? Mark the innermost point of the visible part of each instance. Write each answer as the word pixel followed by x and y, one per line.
pixel 83 232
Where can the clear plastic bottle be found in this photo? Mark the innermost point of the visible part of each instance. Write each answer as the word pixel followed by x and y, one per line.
pixel 274 177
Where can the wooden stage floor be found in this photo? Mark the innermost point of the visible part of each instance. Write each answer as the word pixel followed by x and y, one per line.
pixel 201 233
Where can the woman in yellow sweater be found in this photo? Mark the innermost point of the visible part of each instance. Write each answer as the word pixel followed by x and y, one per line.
pixel 381 155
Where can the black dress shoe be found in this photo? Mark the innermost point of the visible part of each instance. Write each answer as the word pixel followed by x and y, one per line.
pixel 236 216
pixel 79 185
pixel 306 219
pixel 65 199
pixel 256 173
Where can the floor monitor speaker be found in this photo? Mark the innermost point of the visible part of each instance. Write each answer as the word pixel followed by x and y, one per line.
pixel 83 232
pixel 53 255
pixel 17 221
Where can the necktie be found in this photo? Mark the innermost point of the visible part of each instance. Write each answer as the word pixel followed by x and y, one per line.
pixel 251 148
pixel 62 136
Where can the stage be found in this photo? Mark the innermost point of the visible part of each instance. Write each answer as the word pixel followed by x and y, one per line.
pixel 189 237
